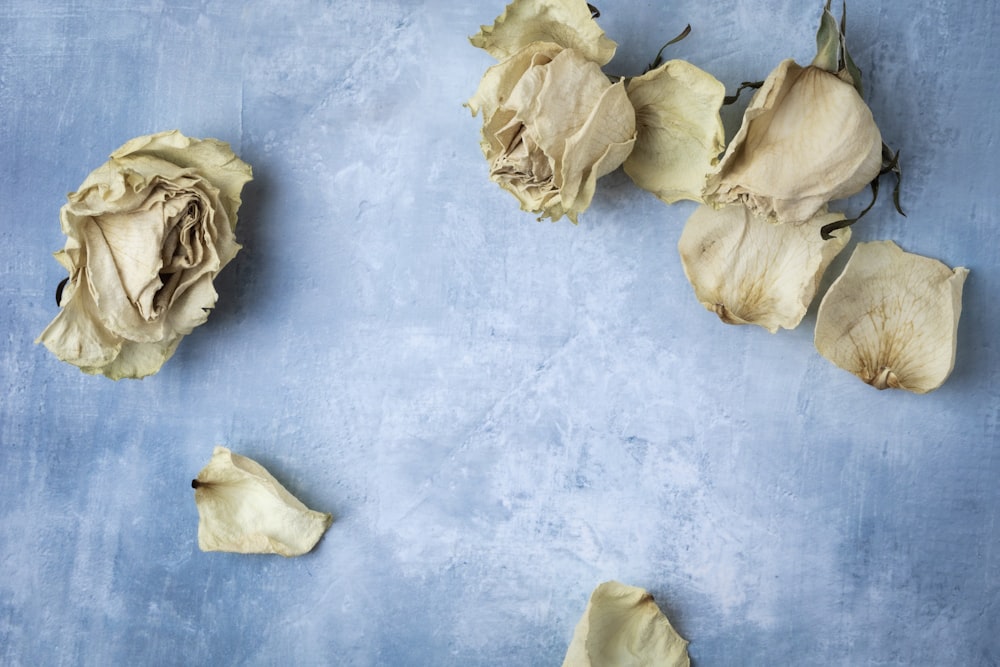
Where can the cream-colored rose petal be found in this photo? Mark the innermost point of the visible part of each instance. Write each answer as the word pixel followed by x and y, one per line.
pixel 749 271
pixel 76 335
pixel 807 138
pixel 680 130
pixel 623 627
pixel 567 23
pixel 891 318
pixel 243 509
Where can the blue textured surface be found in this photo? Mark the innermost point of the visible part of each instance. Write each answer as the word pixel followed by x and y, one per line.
pixel 500 413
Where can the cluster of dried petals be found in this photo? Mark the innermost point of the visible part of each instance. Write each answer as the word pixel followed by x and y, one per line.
pixel 749 271
pixel 623 627
pixel 553 123
pixel 147 232
pixel 891 318
pixel 242 508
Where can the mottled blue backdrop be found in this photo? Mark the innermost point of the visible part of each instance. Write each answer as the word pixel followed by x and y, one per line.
pixel 500 413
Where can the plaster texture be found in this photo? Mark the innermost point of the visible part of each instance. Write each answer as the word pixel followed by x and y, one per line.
pixel 500 413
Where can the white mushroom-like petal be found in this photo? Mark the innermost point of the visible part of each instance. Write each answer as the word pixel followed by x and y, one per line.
pixel 891 318
pixel 750 271
pixel 243 509
pixel 680 132
pixel 623 627
pixel 567 23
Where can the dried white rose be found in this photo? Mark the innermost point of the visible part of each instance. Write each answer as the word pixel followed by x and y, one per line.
pixel 243 509
pixel 623 627
pixel 807 138
pixel 749 271
pixel 891 318
pixel 146 234
pixel 552 121
pixel 680 133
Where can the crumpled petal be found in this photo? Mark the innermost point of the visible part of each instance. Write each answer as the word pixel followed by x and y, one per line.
pixel 243 509
pixel 807 138
pixel 749 271
pixel 567 23
pixel 680 133
pixel 623 627
pixel 891 318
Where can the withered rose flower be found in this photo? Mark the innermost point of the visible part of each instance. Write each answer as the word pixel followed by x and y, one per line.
pixel 147 232
pixel 553 123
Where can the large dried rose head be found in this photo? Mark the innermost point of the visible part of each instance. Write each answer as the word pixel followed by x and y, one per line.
pixel 146 234
pixel 891 318
pixel 552 121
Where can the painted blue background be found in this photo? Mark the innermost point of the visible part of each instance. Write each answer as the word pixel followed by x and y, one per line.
pixel 500 413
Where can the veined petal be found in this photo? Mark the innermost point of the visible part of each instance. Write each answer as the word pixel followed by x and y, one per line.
pixel 891 318
pixel 243 509
pixel 680 130
pixel 567 23
pixel 622 626
pixel 597 148
pixel 749 271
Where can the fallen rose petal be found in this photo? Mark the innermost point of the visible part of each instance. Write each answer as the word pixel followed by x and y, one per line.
pixel 623 627
pixel 891 318
pixel 749 271
pixel 680 133
pixel 243 509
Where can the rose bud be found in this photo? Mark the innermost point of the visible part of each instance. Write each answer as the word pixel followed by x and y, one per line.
pixel 807 138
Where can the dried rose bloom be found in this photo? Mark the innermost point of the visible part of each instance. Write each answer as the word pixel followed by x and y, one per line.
pixel 147 232
pixel 807 138
pixel 623 627
pixel 552 121
pixel 243 509
pixel 891 318
pixel 749 271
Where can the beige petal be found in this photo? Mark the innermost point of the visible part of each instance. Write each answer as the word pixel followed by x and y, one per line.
pixel 76 335
pixel 680 130
pixel 567 23
pixel 807 139
pixel 749 271
pixel 243 509
pixel 623 627
pixel 891 318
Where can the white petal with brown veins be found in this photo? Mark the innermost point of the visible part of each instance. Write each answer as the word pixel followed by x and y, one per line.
pixel 891 318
